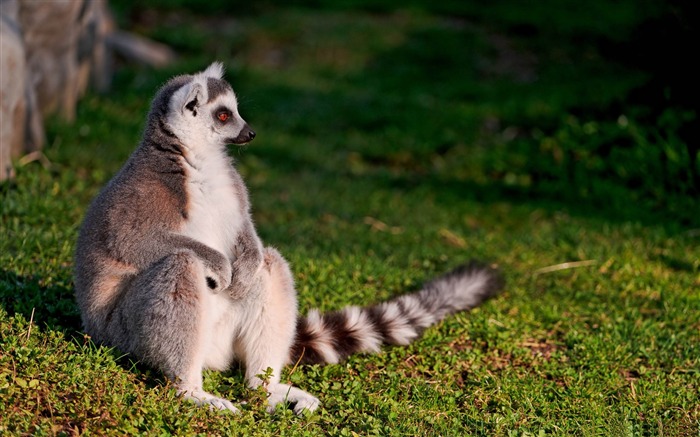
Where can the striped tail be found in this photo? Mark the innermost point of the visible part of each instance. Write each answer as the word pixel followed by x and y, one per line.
pixel 333 336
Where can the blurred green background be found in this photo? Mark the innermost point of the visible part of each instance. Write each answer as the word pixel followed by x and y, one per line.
pixel 590 104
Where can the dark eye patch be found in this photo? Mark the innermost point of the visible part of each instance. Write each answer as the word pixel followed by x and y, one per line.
pixel 222 114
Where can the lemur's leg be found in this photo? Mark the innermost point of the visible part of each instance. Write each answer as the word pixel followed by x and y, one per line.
pixel 268 343
pixel 161 319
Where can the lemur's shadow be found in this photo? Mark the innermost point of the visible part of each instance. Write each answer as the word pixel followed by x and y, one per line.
pixel 53 307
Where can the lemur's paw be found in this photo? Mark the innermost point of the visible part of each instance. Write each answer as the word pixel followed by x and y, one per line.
pixel 202 398
pixel 221 404
pixel 218 278
pixel 301 400
pixel 306 405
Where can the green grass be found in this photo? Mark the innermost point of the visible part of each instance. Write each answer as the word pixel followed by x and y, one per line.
pixel 392 145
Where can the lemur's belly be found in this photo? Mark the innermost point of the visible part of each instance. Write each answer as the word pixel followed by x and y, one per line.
pixel 227 323
pixel 221 323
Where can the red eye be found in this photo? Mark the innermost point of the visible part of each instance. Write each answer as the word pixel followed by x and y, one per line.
pixel 223 116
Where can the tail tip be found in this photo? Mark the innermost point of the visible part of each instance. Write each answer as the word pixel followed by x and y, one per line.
pixel 495 283
pixel 488 277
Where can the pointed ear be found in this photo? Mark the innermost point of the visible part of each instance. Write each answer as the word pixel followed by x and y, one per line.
pixel 195 98
pixel 215 70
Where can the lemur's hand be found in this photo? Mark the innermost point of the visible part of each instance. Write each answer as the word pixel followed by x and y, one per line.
pixel 246 266
pixel 218 272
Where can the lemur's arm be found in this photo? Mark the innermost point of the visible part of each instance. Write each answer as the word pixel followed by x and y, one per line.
pixel 217 264
pixel 143 252
pixel 246 265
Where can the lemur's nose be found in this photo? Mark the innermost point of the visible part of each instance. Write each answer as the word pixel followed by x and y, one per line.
pixel 245 136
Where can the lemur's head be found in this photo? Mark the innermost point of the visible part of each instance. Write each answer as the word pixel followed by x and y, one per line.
pixel 204 110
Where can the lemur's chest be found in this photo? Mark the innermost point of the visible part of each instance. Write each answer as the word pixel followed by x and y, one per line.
pixel 214 210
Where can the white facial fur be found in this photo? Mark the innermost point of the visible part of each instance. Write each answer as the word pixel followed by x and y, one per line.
pixel 196 107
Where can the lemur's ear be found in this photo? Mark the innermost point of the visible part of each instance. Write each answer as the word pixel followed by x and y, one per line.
pixel 195 98
pixel 215 70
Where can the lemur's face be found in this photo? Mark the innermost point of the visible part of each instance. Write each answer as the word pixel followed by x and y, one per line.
pixel 221 114
pixel 205 111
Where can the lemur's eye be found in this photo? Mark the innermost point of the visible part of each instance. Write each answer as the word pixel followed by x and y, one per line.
pixel 223 116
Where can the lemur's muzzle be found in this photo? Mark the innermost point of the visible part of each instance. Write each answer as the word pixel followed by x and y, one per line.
pixel 245 136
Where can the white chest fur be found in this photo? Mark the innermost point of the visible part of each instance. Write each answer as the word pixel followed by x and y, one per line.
pixel 214 208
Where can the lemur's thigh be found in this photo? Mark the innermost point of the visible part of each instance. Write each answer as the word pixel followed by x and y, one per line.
pixel 159 317
pixel 270 344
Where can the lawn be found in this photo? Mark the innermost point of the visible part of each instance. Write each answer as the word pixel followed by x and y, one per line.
pixel 395 143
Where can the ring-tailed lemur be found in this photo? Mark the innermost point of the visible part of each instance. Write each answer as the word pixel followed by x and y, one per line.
pixel 169 267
